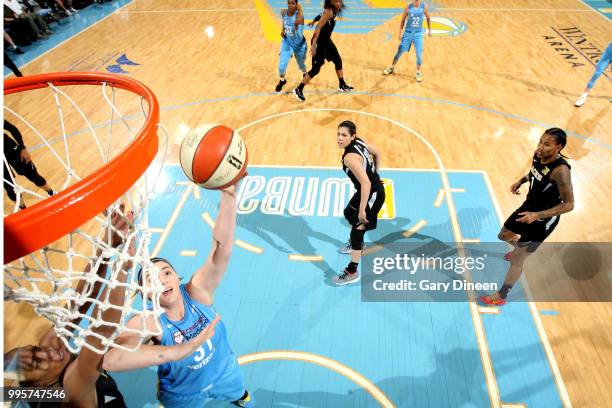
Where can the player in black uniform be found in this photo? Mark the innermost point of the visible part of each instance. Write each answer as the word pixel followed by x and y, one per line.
pixel 360 162
pixel 18 158
pixel 323 48
pixel 550 195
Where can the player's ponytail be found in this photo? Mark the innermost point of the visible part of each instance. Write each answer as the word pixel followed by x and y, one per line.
pixel 560 137
pixel 328 5
pixel 352 128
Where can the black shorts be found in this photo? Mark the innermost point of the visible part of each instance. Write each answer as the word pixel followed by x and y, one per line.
pixel 375 203
pixel 532 235
pixel 326 51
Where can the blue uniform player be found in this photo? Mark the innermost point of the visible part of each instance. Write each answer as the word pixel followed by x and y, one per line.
pixel 604 61
pixel 412 33
pixel 195 361
pixel 293 42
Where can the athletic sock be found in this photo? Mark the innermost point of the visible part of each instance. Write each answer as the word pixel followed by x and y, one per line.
pixel 301 86
pixel 503 292
pixel 352 267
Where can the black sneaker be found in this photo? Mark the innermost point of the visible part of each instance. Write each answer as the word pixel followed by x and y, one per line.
pixel 345 88
pixel 280 85
pixel 299 94
pixel 17 50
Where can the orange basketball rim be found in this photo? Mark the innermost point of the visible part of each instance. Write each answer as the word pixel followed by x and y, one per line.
pixel 47 221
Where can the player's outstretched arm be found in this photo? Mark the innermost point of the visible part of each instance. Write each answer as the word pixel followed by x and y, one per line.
pixel 206 279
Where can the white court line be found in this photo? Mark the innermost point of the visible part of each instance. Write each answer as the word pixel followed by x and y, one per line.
pixel 485 357
pixel 414 229
pixel 589 6
pixel 189 252
pixel 407 170
pixel 514 9
pixel 208 220
pixel 534 312
pixel 173 217
pixel 439 198
pixel 248 247
pixel 336 366
pixel 185 11
pixel 488 310
pixel 305 258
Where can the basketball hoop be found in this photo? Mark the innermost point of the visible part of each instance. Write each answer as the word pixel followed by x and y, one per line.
pixel 46 243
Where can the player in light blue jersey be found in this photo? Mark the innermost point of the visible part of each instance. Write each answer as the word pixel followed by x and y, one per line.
pixel 604 61
pixel 195 361
pixel 293 42
pixel 412 33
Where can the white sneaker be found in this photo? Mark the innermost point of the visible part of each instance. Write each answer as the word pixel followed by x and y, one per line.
pixel 419 76
pixel 581 100
pixel 388 71
pixel 346 277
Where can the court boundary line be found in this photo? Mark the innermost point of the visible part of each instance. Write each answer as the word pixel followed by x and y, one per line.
pixel 552 361
pixel 336 366
pixel 588 10
pixel 596 142
pixel 73 36
pixel 185 11
pixel 503 114
pixel 595 10
pixel 481 339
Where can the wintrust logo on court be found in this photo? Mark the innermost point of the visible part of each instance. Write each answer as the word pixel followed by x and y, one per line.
pixel 573 45
pixel 303 196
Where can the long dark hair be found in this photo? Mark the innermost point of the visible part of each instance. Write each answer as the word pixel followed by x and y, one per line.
pixel 560 137
pixel 328 5
pixel 352 128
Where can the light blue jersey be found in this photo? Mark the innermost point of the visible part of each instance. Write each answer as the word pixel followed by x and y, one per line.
pixel 415 18
pixel 413 33
pixel 293 36
pixel 294 43
pixel 203 374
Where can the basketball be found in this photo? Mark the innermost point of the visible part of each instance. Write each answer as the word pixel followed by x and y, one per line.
pixel 213 156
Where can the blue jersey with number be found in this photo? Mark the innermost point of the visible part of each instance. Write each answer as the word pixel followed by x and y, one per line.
pixel 293 36
pixel 415 18
pixel 196 373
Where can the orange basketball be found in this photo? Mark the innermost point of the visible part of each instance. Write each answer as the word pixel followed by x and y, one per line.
pixel 213 156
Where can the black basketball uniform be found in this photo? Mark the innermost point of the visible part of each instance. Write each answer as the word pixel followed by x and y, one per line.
pixel 107 392
pixel 543 195
pixel 377 189
pixel 326 49
pixel 13 146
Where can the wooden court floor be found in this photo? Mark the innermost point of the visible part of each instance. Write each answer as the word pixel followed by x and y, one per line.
pixel 487 95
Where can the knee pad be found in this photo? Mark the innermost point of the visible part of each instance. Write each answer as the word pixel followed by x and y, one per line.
pixel 314 71
pixel 357 239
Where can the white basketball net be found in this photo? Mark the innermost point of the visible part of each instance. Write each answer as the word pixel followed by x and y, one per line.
pixel 71 280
